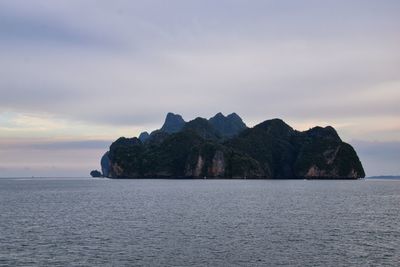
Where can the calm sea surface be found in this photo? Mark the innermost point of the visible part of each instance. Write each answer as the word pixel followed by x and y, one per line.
pixel 101 222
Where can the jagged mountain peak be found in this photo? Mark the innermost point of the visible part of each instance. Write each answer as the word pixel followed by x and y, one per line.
pixel 228 126
pixel 219 115
pixel 324 132
pixel 173 123
pixel 234 115
pixel 144 136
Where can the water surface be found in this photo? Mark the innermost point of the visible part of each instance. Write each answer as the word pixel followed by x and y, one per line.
pixel 92 222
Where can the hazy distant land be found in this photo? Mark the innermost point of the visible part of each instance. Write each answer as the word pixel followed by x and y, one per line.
pixel 394 177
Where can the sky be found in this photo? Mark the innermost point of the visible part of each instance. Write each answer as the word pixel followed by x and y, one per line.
pixel 76 75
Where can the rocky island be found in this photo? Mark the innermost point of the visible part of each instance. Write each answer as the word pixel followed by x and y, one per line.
pixel 224 147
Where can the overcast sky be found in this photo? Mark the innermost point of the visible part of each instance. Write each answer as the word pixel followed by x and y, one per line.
pixel 75 75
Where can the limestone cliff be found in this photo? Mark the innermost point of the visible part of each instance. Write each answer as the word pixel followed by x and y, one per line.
pixel 271 150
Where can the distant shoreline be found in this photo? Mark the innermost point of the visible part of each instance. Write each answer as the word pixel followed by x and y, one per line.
pixel 33 177
pixel 394 177
pixel 383 177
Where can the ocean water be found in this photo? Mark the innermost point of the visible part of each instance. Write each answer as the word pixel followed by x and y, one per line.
pixel 101 222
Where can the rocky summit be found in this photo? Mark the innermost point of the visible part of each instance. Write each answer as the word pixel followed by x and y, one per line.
pixel 228 126
pixel 223 147
pixel 173 123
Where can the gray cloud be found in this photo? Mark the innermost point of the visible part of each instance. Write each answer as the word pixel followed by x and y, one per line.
pixel 16 29
pixel 55 145
pixel 386 150
pixel 84 144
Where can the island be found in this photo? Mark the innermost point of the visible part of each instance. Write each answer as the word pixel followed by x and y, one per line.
pixel 224 147
pixel 96 174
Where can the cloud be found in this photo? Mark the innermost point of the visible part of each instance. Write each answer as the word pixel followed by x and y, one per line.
pixel 56 145
pixel 106 89
pixel 14 29
pixel 31 126
pixel 102 69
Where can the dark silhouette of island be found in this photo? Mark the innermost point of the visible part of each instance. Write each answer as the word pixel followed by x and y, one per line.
pixel 96 174
pixel 224 147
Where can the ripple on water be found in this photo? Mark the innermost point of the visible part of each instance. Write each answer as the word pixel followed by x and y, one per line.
pixel 93 222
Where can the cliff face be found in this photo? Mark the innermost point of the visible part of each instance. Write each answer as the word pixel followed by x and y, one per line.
pixel 286 153
pixel 322 154
pixel 105 164
pixel 337 161
pixel 271 149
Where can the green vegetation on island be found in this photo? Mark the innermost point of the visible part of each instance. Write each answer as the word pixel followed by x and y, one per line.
pixel 223 147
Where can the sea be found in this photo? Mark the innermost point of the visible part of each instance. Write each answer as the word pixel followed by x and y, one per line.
pixel 105 222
